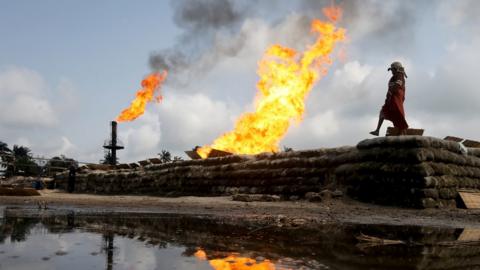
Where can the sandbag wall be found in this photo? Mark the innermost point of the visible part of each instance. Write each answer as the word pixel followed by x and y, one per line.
pixel 411 171
pixel 285 173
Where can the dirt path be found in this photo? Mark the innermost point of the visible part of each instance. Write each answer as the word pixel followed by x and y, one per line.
pixel 298 213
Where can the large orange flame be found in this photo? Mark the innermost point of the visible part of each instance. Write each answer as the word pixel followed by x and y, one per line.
pixel 286 77
pixel 233 262
pixel 150 85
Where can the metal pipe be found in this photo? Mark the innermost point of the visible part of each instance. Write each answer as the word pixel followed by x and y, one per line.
pixel 114 143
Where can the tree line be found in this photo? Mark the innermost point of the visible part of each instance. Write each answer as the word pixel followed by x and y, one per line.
pixel 165 156
pixel 19 160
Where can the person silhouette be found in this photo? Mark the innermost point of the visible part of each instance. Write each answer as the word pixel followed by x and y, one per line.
pixel 393 110
pixel 71 179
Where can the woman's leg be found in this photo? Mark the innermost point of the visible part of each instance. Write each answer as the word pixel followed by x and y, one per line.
pixel 379 125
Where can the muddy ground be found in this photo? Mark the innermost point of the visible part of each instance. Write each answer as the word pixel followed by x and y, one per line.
pixel 286 213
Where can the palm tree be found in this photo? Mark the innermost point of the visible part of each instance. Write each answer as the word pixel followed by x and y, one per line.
pixel 177 158
pixel 4 147
pixel 5 154
pixel 108 158
pixel 165 156
pixel 23 161
pixel 22 152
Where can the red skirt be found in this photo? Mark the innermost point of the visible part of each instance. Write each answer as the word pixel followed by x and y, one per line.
pixel 393 110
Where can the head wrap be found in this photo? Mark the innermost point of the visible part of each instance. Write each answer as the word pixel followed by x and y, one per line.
pixel 397 66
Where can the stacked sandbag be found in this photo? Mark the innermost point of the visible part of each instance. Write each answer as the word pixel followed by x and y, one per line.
pixel 411 171
pixel 285 173
pixel 90 177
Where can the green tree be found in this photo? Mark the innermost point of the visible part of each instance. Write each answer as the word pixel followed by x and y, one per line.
pixel 22 152
pixel 108 158
pixel 23 162
pixel 165 156
pixel 4 148
pixel 5 154
pixel 177 158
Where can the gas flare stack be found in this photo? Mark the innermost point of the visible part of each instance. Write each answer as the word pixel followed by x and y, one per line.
pixel 112 145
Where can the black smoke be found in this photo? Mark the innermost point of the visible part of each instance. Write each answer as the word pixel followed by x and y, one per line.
pixel 198 48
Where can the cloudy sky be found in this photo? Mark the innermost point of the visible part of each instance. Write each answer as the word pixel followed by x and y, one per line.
pixel 67 68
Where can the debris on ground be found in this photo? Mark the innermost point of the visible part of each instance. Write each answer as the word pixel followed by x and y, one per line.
pixel 255 198
pixel 367 241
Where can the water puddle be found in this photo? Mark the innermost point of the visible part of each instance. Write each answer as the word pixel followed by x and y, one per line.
pixel 135 241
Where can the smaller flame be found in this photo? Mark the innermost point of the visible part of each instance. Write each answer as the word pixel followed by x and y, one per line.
pixel 201 255
pixel 234 262
pixel 333 13
pixel 150 85
pixel 204 151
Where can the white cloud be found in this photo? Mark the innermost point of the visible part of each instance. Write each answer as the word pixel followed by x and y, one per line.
pixel 23 101
pixel 31 110
pixel 27 111
pixel 317 128
pixel 458 12
pixel 17 81
pixel 50 147
pixel 189 120
pixel 23 142
pixel 141 138
pixel 323 125
pixel 66 148
pixel 347 80
pixel 66 97
pixel 454 89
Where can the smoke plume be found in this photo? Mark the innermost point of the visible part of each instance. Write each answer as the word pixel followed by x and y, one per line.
pixel 212 29
pixel 205 23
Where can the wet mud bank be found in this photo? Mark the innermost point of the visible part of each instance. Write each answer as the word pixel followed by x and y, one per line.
pixel 297 214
